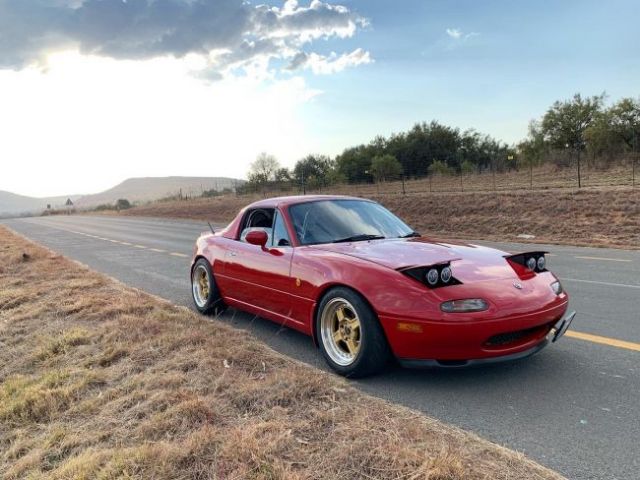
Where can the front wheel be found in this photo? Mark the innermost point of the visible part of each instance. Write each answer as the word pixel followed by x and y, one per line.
pixel 349 334
pixel 204 290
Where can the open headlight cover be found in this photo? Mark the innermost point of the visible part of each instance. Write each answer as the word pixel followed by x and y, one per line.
pixel 433 276
pixel 534 261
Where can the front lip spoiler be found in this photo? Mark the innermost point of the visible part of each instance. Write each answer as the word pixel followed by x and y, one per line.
pixel 562 325
pixel 557 331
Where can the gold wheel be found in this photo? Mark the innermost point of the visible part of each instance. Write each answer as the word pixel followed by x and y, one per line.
pixel 201 286
pixel 341 331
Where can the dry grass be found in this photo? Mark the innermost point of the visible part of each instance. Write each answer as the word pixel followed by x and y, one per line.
pixel 100 381
pixel 591 217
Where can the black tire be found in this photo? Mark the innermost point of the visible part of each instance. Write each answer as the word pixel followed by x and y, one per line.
pixel 211 303
pixel 373 351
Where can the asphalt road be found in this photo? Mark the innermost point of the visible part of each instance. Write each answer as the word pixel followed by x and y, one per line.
pixel 575 407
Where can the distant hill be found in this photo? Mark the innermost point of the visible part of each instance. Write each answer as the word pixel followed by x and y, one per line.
pixel 13 204
pixel 153 188
pixel 133 189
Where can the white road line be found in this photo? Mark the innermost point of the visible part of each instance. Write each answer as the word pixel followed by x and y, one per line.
pixel 178 254
pixel 609 284
pixel 159 250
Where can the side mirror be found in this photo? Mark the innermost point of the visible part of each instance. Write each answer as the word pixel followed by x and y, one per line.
pixel 257 237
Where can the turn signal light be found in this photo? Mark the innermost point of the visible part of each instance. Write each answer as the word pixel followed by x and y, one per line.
pixel 409 327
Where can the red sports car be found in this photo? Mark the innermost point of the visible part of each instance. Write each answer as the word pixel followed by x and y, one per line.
pixel 366 287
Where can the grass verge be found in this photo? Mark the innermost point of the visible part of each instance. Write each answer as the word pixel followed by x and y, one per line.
pixel 101 381
pixel 591 217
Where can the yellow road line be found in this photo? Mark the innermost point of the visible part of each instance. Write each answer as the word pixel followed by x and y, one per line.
pixel 604 259
pixel 175 254
pixel 612 342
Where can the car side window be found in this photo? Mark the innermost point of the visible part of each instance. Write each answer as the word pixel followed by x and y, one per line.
pixel 280 235
pixel 258 219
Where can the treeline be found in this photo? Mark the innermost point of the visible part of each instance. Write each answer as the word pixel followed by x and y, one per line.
pixel 570 132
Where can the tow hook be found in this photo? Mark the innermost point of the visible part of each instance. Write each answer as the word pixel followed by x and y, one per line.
pixel 561 327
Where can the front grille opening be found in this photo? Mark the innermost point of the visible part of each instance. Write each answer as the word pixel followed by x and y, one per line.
pixel 507 338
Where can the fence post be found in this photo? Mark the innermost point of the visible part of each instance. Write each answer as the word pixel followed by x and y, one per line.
pixel 461 184
pixel 430 180
pixel 633 159
pixel 579 178
pixel 403 190
pixel 493 170
pixel 531 174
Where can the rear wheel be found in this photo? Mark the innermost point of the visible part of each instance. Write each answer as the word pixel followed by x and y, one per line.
pixel 349 333
pixel 204 290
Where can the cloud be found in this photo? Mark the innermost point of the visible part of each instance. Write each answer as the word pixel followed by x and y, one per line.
pixel 458 35
pixel 230 34
pixel 454 33
pixel 333 63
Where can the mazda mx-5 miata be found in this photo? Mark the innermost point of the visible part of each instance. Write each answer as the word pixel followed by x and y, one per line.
pixel 367 288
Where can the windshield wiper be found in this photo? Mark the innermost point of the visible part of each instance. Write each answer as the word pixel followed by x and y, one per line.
pixel 359 238
pixel 410 234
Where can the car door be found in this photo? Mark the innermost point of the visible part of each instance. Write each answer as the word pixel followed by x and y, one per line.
pixel 262 277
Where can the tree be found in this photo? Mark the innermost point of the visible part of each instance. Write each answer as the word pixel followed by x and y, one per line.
pixel 282 175
pixel 263 169
pixel 534 148
pixel 625 122
pixel 467 167
pixel 565 123
pixel 354 163
pixel 314 171
pixel 122 204
pixel 438 167
pixel 386 167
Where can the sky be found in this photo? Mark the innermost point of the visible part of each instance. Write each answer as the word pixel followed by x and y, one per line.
pixel 96 91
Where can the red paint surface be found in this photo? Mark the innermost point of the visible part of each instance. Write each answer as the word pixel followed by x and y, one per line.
pixel 264 282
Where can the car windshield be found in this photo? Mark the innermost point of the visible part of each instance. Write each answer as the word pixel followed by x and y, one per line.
pixel 330 221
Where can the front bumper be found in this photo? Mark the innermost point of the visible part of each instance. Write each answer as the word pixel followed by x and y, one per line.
pixel 555 333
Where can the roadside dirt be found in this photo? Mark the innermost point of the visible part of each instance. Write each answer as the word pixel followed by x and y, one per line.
pixel 589 217
pixel 98 380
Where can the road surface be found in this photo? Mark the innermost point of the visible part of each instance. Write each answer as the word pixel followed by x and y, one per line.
pixel 575 407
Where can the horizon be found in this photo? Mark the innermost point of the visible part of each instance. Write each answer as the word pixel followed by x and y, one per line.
pixel 288 78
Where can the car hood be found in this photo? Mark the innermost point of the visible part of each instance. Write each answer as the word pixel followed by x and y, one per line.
pixel 469 262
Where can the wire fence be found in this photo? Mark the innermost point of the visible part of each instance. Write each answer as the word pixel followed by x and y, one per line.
pixel 584 175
